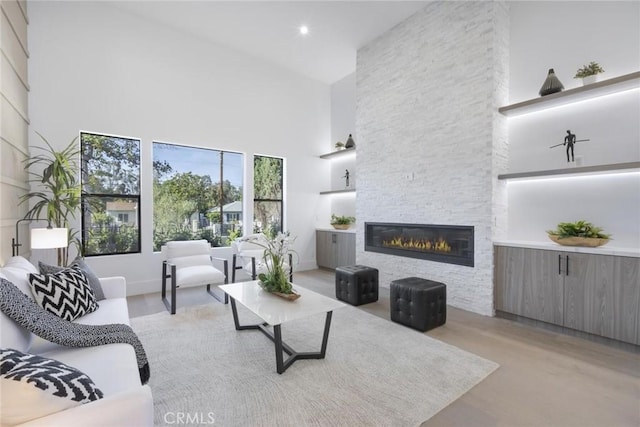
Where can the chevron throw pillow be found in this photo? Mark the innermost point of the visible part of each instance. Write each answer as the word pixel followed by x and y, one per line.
pixel 66 294
pixel 34 386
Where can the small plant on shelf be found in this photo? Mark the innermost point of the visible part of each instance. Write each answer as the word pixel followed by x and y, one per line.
pixel 341 222
pixel 579 233
pixel 590 69
pixel 339 145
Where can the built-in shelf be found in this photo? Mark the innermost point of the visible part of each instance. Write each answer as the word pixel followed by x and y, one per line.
pixel 348 190
pixel 569 171
pixel 605 87
pixel 338 153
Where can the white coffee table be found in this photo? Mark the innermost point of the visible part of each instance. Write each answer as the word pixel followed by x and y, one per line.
pixel 275 311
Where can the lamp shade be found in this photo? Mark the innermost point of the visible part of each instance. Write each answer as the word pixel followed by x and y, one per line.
pixel 49 238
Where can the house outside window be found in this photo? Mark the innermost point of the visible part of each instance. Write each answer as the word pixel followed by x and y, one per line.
pixel 268 201
pixel 197 194
pixel 110 175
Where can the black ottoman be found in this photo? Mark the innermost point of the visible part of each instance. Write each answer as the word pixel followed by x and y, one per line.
pixel 418 303
pixel 357 284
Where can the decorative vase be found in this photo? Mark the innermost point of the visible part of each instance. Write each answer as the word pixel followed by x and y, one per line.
pixel 350 143
pixel 551 84
pixel 590 242
pixel 590 79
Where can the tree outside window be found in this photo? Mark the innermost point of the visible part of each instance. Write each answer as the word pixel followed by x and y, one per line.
pixel 197 194
pixel 268 195
pixel 110 174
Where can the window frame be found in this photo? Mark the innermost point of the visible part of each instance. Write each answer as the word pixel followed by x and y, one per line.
pixel 84 204
pixel 282 197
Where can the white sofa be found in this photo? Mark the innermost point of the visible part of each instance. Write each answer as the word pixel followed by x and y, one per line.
pixel 112 367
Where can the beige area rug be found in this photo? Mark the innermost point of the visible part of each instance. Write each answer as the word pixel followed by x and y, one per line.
pixel 376 372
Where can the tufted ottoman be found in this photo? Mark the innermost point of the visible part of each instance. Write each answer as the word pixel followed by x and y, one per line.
pixel 357 284
pixel 418 303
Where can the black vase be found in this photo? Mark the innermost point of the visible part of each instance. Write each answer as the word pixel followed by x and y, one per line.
pixel 551 84
pixel 350 143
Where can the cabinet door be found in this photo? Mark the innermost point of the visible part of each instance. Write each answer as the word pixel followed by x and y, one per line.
pixel 324 249
pixel 345 249
pixel 626 276
pixel 602 296
pixel 529 284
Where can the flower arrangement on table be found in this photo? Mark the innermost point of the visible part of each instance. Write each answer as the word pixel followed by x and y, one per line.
pixel 277 259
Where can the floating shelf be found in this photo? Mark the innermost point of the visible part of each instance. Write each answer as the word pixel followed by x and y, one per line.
pixel 569 171
pixel 338 153
pixel 348 190
pixel 605 87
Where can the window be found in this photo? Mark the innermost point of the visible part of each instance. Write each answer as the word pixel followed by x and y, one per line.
pixel 267 195
pixel 110 170
pixel 197 194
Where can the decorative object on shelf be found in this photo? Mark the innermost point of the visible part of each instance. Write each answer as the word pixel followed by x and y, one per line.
pixel 339 145
pixel 342 222
pixel 570 140
pixel 551 84
pixel 350 143
pixel 589 73
pixel 346 177
pixel 579 233
pixel 276 279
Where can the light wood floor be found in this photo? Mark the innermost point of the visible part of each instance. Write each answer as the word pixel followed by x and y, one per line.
pixel 545 378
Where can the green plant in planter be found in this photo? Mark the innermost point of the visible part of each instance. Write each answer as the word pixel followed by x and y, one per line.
pixel 590 69
pixel 342 220
pixel 578 229
pixel 339 145
pixel 58 194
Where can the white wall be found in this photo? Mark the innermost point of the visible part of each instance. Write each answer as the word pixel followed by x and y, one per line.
pixel 427 98
pixel 96 68
pixel 565 36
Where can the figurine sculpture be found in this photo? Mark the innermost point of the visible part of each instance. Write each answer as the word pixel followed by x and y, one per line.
pixel 346 176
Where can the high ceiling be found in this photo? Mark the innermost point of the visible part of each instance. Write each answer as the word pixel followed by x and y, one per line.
pixel 270 29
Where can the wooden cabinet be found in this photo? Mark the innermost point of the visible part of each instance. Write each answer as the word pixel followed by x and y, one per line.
pixel 335 249
pixel 599 294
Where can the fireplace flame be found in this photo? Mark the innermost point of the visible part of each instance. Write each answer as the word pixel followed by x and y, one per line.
pixel 439 245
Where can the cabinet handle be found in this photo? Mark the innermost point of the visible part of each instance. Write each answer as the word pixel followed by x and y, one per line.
pixel 333 238
pixel 559 264
pixel 567 269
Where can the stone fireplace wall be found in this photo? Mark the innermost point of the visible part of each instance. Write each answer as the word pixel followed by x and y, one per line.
pixel 430 140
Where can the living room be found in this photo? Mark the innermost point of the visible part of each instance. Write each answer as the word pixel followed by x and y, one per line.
pixel 429 138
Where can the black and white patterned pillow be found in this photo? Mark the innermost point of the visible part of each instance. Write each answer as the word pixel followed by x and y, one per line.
pixel 34 386
pixel 93 279
pixel 66 294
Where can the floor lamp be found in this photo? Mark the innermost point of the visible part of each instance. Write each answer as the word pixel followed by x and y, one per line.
pixel 42 238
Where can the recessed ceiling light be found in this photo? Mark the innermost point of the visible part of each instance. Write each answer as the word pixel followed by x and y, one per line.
pixel 304 30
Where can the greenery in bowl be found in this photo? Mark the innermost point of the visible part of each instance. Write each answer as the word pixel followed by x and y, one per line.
pixel 339 145
pixel 591 69
pixel 580 228
pixel 342 220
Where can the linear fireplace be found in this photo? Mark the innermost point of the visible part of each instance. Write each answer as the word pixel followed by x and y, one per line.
pixel 451 244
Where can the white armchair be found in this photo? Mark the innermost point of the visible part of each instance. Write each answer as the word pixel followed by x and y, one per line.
pixel 248 255
pixel 189 263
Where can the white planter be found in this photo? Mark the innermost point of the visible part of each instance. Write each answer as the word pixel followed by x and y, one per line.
pixel 590 79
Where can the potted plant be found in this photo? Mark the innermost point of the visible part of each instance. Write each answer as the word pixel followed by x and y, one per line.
pixel 339 146
pixel 579 233
pixel 276 252
pixel 589 73
pixel 341 222
pixel 57 188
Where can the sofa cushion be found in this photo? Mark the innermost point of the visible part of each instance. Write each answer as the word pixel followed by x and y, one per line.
pixel 17 271
pixel 66 294
pixel 34 386
pixel 93 279
pixel 12 335
pixel 110 311
pixel 112 367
